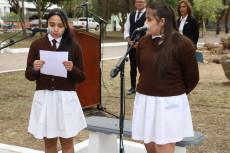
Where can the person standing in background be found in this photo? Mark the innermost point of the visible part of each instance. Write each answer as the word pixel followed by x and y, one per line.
pixel 56 111
pixel 135 20
pixel 187 24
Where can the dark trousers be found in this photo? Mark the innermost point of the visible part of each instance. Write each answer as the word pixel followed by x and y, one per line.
pixel 133 67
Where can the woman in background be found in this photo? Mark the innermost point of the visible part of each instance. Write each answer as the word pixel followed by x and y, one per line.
pixel 168 70
pixel 187 24
pixel 56 111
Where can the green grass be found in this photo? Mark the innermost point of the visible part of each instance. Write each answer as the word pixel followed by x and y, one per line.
pixel 113 36
pixel 209 102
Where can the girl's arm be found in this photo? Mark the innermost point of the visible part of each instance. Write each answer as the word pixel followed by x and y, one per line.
pixel 78 71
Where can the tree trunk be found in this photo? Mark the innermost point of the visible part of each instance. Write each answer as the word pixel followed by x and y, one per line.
pixel 218 22
pixel 22 18
pixel 39 16
pixel 19 11
pixel 43 10
pixel 105 17
pixel 122 20
pixel 74 10
pixel 204 27
pixel 226 21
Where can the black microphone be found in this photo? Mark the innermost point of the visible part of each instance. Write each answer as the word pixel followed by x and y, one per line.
pixel 46 30
pixel 144 28
pixel 82 5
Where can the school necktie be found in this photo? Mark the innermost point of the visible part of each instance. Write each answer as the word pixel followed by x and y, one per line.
pixel 54 44
pixel 138 16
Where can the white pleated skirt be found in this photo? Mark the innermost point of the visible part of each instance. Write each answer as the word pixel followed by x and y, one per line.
pixel 56 114
pixel 161 120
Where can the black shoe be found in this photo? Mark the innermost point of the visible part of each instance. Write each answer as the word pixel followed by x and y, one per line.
pixel 131 91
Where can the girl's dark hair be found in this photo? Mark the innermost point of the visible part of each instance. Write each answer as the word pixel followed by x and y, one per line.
pixel 163 10
pixel 68 42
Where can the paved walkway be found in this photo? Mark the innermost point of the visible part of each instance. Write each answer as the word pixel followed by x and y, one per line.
pixel 17 61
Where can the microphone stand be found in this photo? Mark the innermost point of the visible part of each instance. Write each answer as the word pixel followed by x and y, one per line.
pixel 101 21
pixel 120 67
pixel 12 42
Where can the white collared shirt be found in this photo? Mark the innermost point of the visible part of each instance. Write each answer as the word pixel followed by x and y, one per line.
pixel 158 36
pixel 182 23
pixel 127 23
pixel 58 40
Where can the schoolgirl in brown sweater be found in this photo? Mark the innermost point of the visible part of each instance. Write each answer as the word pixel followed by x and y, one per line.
pixel 56 111
pixel 168 70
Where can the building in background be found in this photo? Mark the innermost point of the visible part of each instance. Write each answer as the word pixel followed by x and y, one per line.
pixel 113 24
pixel 29 8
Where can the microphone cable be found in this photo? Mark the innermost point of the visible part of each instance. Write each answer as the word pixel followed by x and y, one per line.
pixel 102 80
pixel 12 36
pixel 102 68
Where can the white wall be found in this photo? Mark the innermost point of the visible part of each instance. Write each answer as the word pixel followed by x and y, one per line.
pixel 111 24
pixel 5 7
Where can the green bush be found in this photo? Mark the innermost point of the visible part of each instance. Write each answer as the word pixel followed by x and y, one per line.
pixel 10 17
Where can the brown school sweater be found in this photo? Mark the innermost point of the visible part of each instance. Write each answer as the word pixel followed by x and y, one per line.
pixel 50 82
pixel 181 78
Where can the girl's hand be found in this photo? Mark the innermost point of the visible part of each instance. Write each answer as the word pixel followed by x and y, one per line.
pixel 135 46
pixel 38 64
pixel 68 65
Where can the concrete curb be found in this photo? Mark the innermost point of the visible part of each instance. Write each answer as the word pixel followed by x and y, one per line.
pixel 12 70
pixel 26 50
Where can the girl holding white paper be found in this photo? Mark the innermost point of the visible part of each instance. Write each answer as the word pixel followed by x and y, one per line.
pixel 56 111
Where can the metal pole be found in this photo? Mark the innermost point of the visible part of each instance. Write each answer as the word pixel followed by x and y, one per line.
pixel 87 16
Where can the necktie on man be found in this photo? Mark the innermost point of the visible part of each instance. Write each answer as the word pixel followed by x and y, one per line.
pixel 54 44
pixel 138 16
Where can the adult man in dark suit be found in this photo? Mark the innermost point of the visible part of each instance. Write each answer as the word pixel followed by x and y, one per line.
pixel 187 24
pixel 135 19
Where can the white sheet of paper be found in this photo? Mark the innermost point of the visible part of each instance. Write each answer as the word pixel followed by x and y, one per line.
pixel 53 63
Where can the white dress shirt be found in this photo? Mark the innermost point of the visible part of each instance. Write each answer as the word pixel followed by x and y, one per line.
pixel 58 40
pixel 127 23
pixel 182 23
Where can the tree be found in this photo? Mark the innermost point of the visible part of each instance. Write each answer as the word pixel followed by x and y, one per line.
pixel 221 14
pixel 123 8
pixel 42 6
pixel 20 11
pixel 70 7
pixel 226 16
pixel 172 3
pixel 208 10
pixel 105 8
